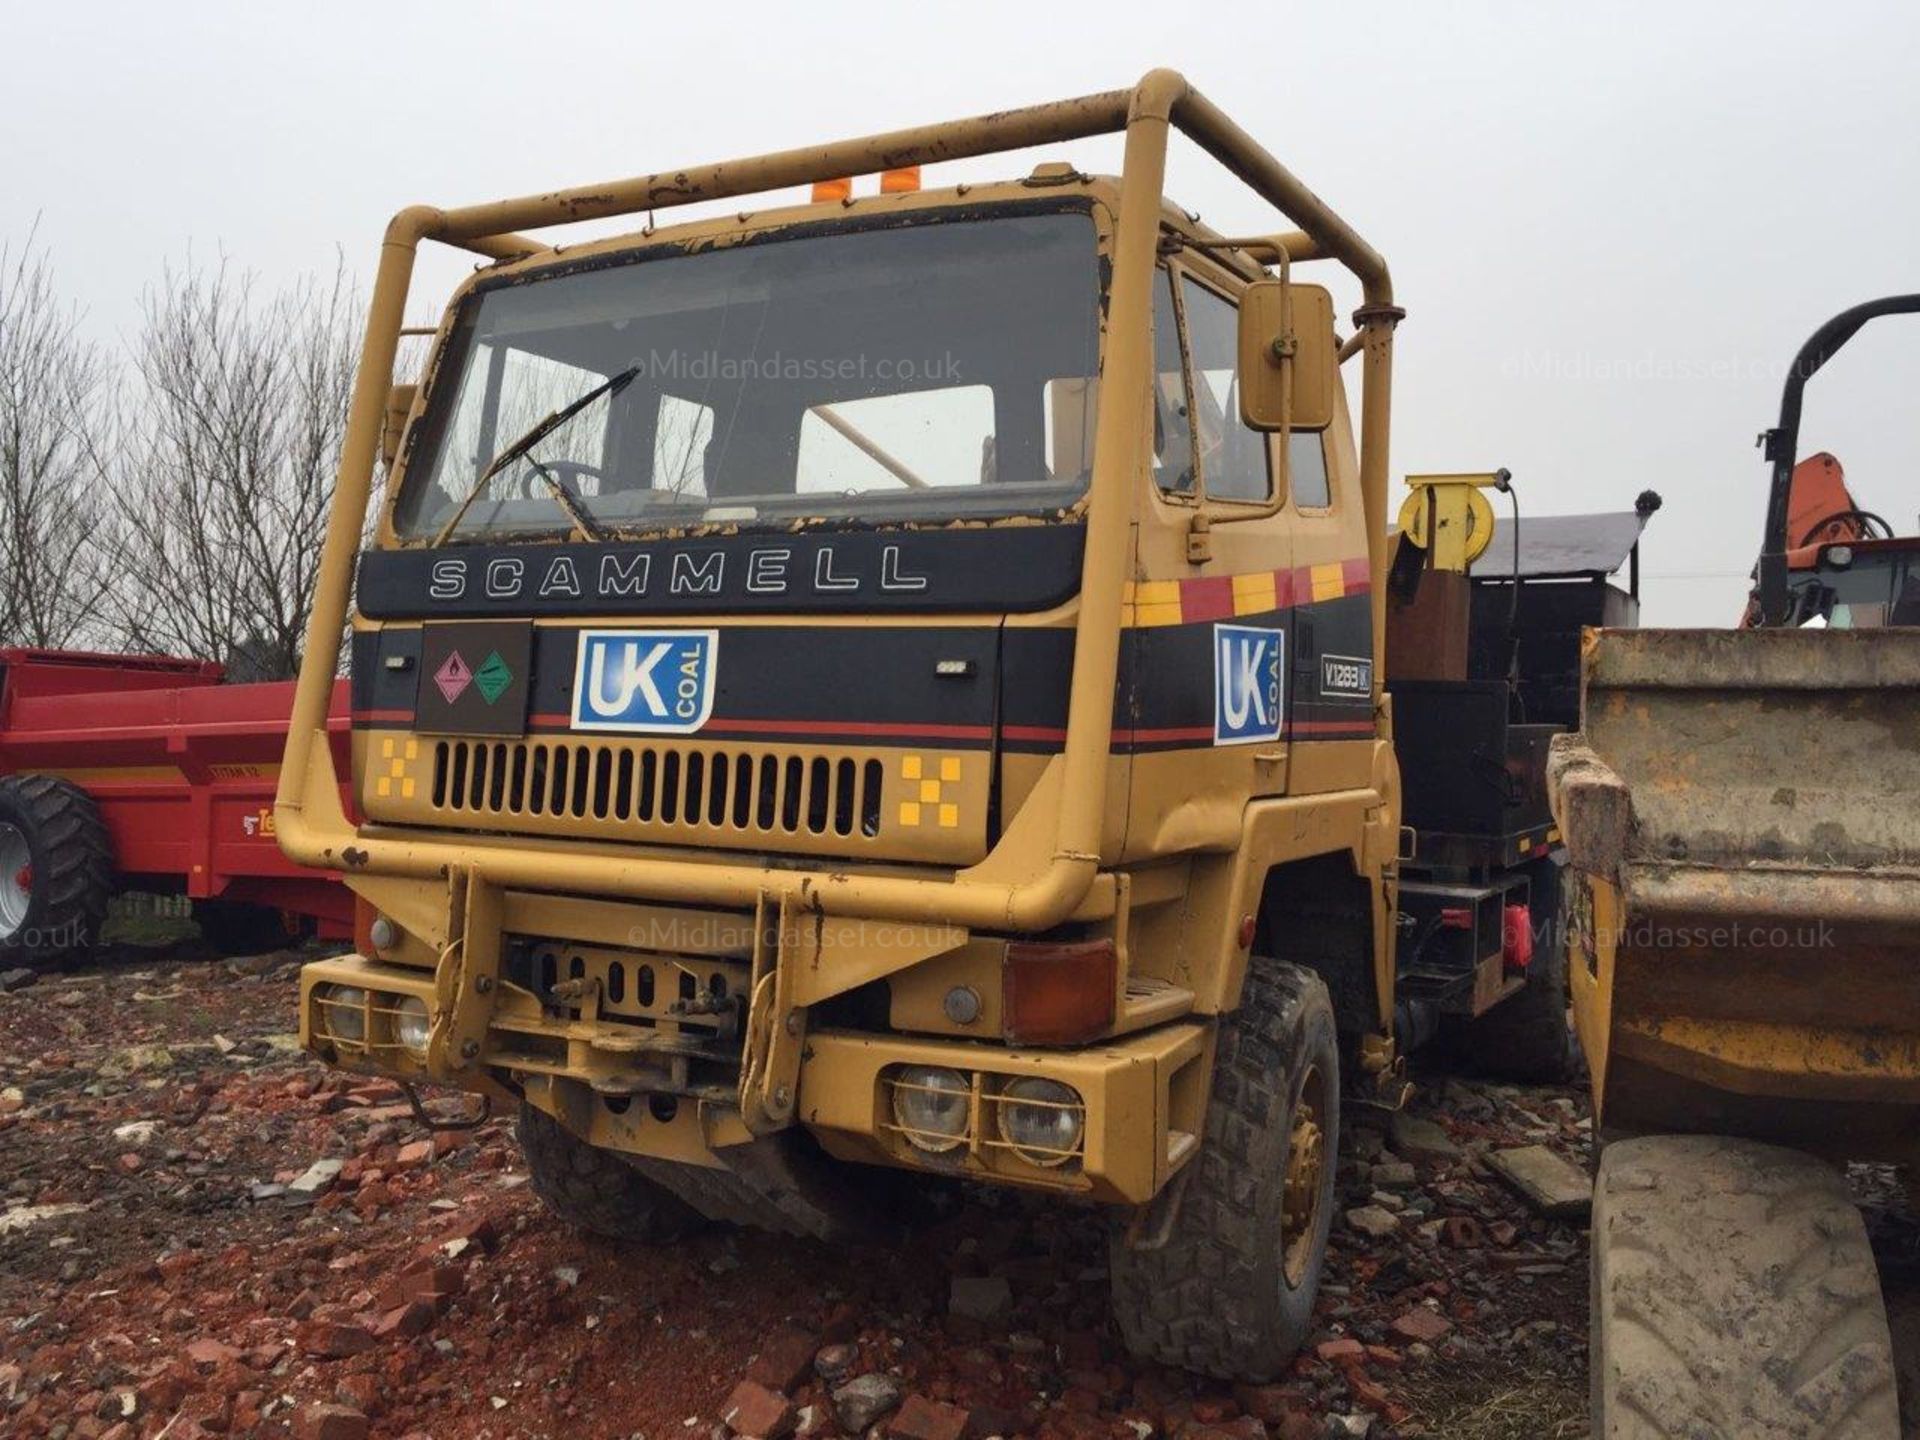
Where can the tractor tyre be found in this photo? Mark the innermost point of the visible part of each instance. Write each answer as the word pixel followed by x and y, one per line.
pixel 1734 1293
pixel 56 870
pixel 1230 1290
pixel 233 927
pixel 1527 1037
pixel 596 1190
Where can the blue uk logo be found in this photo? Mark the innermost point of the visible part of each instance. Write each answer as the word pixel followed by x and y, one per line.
pixel 1247 683
pixel 644 681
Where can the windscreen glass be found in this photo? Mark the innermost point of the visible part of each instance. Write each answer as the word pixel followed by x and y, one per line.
pixel 940 370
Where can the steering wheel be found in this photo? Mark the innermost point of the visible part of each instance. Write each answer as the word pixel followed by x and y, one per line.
pixel 1866 520
pixel 568 472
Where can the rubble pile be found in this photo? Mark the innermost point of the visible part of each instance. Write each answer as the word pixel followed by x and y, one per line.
pixel 204 1233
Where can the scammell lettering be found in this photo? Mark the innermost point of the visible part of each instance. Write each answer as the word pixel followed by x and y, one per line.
pixel 630 575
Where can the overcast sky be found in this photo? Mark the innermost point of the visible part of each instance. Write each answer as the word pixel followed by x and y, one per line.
pixel 1611 226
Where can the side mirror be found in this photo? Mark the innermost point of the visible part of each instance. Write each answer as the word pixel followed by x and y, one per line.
pixel 394 425
pixel 1287 330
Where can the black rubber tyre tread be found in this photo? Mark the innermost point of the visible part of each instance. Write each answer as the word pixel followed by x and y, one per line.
pixel 1526 1037
pixel 1214 1298
pixel 1734 1293
pixel 596 1190
pixel 72 868
pixel 232 927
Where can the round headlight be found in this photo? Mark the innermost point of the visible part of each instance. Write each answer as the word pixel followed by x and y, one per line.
pixel 411 1023
pixel 931 1106
pixel 343 1013
pixel 1041 1120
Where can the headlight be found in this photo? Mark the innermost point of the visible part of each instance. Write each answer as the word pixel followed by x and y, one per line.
pixel 343 1013
pixel 1042 1120
pixel 931 1106
pixel 411 1023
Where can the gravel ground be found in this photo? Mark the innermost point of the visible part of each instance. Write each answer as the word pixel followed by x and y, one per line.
pixel 159 1277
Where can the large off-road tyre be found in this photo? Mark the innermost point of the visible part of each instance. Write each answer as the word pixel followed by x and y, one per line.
pixel 1231 1291
pixel 594 1189
pixel 1734 1294
pixel 56 870
pixel 233 927
pixel 1527 1037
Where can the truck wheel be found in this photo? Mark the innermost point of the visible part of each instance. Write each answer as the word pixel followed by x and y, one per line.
pixel 594 1189
pixel 56 869
pixel 1231 1291
pixel 233 927
pixel 1526 1037
pixel 1734 1294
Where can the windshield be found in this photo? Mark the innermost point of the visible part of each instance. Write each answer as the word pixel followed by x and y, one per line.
pixel 929 371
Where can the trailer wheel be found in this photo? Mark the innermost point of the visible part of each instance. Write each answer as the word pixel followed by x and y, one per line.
pixel 594 1189
pixel 1734 1293
pixel 56 869
pixel 1526 1037
pixel 233 927
pixel 1230 1292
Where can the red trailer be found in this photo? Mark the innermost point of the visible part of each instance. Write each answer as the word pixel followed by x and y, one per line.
pixel 147 773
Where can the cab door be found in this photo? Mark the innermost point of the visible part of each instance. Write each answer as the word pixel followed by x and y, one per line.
pixel 1244 591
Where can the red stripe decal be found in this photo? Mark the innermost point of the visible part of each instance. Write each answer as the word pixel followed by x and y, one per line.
pixel 1284 589
pixel 1207 598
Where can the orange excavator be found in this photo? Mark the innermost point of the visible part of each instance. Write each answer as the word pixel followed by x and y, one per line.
pixel 1825 558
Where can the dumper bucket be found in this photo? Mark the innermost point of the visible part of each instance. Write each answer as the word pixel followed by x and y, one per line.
pixel 1742 814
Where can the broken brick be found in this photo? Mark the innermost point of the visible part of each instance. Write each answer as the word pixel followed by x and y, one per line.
pixel 329 1422
pixel 1422 1325
pixel 413 1318
pixel 756 1411
pixel 919 1418
pixel 785 1359
pixel 334 1339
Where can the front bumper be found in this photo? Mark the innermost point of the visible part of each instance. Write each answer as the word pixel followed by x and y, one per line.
pixel 1144 1095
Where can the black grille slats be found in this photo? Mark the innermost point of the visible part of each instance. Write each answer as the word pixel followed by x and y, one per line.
pixel 699 788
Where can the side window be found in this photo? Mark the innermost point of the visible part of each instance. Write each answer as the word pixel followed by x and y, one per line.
pixel 1307 470
pixel 681 432
pixel 1233 458
pixel 1172 434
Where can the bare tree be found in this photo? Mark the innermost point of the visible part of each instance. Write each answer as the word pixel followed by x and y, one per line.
pixel 237 432
pixel 56 423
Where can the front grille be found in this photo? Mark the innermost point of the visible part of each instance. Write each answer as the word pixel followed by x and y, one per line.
pixel 652 786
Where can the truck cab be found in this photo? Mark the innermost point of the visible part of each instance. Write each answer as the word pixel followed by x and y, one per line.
pixel 883 682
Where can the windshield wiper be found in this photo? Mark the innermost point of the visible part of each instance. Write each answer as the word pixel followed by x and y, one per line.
pixel 531 437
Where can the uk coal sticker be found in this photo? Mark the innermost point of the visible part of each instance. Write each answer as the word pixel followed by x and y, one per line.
pixel 650 682
pixel 1247 669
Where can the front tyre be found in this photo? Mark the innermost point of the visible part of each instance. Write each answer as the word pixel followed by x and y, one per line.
pixel 1231 1291
pixel 594 1189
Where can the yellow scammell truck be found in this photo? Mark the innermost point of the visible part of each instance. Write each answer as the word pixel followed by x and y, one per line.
pixel 893 682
